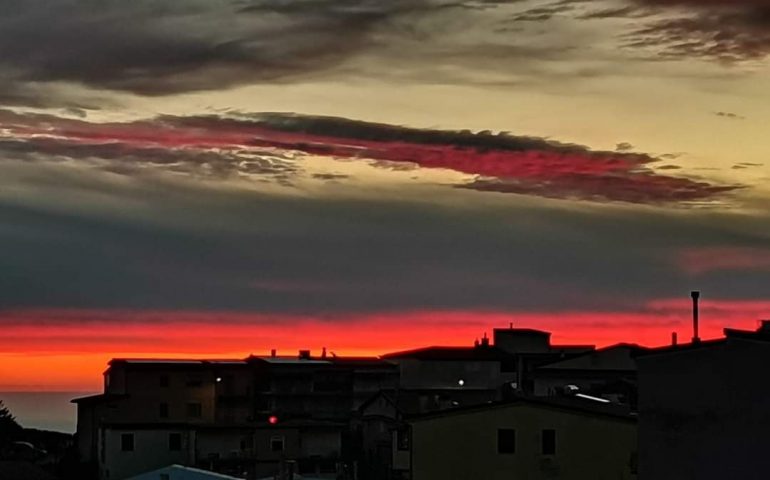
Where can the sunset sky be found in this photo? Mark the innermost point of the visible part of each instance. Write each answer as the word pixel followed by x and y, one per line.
pixel 214 178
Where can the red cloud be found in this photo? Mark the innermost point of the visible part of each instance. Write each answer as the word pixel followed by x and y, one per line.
pixel 502 163
pixel 696 261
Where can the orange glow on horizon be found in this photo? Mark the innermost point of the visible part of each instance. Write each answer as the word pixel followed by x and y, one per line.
pixel 67 350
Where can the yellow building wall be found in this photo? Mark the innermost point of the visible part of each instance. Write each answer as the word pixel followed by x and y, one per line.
pixel 464 446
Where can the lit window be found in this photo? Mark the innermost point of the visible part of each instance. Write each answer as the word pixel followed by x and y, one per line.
pixel 506 440
pixel 174 442
pixel 276 444
pixel 127 442
pixel 549 442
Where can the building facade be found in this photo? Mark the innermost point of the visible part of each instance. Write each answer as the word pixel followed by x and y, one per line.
pixel 530 439
pixel 703 409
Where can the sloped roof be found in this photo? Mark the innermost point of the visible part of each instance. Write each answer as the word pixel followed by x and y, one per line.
pixel 179 472
pixel 615 357
pixel 481 353
pixel 575 405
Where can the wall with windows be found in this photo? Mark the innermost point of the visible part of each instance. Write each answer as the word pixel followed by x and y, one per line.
pixel 523 440
pixel 127 452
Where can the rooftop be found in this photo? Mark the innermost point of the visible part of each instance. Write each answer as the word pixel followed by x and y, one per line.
pixel 576 405
pixel 482 353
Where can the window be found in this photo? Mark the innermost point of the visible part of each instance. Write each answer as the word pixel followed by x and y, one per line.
pixel 402 439
pixel 194 382
pixel 276 444
pixel 127 442
pixel 506 440
pixel 174 442
pixel 194 410
pixel 549 441
pixel 163 381
pixel 163 410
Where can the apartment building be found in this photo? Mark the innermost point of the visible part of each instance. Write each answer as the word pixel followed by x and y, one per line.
pixel 248 416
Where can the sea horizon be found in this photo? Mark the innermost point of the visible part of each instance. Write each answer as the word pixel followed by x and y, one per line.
pixel 44 410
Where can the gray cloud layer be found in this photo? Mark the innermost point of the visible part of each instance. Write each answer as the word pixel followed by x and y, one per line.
pixel 176 246
pixel 149 48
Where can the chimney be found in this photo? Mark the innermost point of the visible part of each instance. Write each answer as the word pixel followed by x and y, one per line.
pixel 273 353
pixel 673 339
pixel 485 340
pixel 323 353
pixel 695 296
pixel 304 354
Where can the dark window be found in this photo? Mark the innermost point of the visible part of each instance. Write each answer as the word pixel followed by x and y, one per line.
pixel 194 382
pixel 506 440
pixel 402 439
pixel 163 410
pixel 276 444
pixel 194 410
pixel 174 442
pixel 127 442
pixel 549 442
pixel 164 381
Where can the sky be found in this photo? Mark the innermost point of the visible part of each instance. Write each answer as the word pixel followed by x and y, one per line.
pixel 216 178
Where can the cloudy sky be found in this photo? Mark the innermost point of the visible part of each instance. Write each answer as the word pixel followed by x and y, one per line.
pixel 223 177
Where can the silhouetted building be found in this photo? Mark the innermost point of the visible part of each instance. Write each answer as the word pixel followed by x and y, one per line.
pixel 608 373
pixel 703 409
pixel 233 416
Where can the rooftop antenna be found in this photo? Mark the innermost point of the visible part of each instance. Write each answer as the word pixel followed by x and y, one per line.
pixel 695 296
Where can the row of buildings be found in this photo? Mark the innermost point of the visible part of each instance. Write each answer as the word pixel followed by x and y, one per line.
pixel 514 406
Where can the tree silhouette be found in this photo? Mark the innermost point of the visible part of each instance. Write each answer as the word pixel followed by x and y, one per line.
pixel 9 428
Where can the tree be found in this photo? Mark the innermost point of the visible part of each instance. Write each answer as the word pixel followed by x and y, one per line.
pixel 9 428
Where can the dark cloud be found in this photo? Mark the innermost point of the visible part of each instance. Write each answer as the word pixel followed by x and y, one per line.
pixel 726 31
pixel 154 49
pixel 503 162
pixel 72 53
pixel 624 147
pixel 247 143
pixel 629 11
pixel 732 116
pixel 544 13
